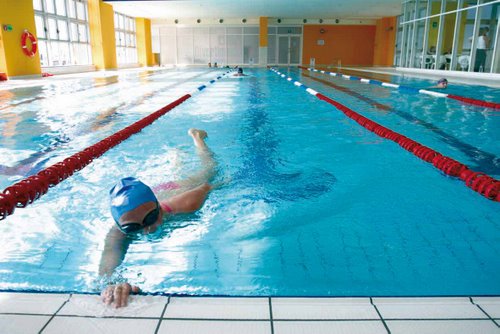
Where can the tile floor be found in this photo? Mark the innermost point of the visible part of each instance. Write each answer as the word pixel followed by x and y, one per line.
pixel 64 313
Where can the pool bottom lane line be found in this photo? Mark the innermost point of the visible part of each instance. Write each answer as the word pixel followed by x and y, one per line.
pixel 477 181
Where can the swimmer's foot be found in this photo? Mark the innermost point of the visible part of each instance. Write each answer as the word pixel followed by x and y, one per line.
pixel 197 133
pixel 198 138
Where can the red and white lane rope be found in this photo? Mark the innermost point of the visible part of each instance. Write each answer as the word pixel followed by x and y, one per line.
pixel 476 102
pixel 30 189
pixel 477 181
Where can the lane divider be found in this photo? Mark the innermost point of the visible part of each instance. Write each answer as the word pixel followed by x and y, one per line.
pixel 32 188
pixel 477 181
pixel 408 89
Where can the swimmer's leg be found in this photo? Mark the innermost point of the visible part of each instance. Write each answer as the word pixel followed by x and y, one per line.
pixel 208 163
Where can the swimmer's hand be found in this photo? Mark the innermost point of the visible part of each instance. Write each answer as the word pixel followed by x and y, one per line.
pixel 117 294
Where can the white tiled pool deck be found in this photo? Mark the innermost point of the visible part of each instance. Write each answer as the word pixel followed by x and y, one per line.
pixel 74 313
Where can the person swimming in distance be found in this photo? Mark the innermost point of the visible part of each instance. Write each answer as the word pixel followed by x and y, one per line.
pixel 239 73
pixel 137 208
pixel 441 84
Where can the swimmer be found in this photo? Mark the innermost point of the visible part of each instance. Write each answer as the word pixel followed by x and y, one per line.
pixel 442 83
pixel 137 208
pixel 209 64
pixel 240 73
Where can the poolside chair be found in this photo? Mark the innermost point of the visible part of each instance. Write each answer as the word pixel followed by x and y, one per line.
pixel 463 61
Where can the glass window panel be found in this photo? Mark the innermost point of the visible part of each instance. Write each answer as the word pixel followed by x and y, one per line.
pixel 44 57
pixel 217 31
pixel 49 6
pixel 40 26
pixel 218 46
pixel 71 9
pixel 61 7
pixel 271 49
pixel 167 47
pixel 422 8
pixel 271 30
pixel 117 38
pixel 63 30
pixel 486 36
pixel 122 38
pixel 451 5
pixel 201 49
pixel 444 59
pixel 408 45
pixel 74 31
pixel 435 6
pixel 52 29
pixel 468 3
pixel 184 31
pixel 283 50
pixel 420 56
pixel 37 4
pixel 251 49
pixel 234 49
pixel 200 31
pixel 234 31
pixel 294 50
pixel 185 50
pixel 80 10
pixel 251 30
pixel 464 42
pixel 409 10
pixel 82 32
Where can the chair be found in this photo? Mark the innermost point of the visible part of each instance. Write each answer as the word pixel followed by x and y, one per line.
pixel 463 61
pixel 428 61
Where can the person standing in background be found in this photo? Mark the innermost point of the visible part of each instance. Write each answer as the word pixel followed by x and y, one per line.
pixel 483 43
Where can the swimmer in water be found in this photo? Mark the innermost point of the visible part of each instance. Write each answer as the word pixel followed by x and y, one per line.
pixel 137 208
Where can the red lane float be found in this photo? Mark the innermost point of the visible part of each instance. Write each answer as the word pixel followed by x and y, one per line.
pixel 30 189
pixel 480 103
pixel 477 181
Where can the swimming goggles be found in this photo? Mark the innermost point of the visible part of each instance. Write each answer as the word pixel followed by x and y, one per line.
pixel 150 219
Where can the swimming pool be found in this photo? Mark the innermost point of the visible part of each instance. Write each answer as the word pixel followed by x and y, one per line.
pixel 313 204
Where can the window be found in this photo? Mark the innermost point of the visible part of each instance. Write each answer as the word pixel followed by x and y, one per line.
pixel 125 37
pixel 62 34
pixel 458 35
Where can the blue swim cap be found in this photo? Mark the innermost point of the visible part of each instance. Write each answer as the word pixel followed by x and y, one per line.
pixel 443 80
pixel 128 194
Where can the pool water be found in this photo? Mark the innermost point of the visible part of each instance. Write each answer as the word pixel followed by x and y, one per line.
pixel 311 204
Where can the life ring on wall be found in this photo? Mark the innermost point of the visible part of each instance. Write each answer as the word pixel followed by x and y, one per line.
pixel 27 51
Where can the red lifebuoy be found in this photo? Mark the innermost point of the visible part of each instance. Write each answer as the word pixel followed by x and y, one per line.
pixel 27 51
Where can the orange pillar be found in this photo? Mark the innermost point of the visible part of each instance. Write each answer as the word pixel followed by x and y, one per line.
pixel 263 21
pixel 385 39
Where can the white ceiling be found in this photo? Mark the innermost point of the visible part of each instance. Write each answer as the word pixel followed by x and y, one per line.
pixel 215 9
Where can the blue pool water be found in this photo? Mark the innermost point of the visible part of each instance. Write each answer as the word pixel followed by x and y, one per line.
pixel 312 204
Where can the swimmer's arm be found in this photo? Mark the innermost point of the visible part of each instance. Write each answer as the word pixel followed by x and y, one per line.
pixel 115 248
pixel 190 200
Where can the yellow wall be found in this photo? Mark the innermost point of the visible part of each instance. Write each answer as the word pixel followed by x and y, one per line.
pixel 263 31
pixel 144 49
pixel 21 15
pixel 385 39
pixel 102 35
